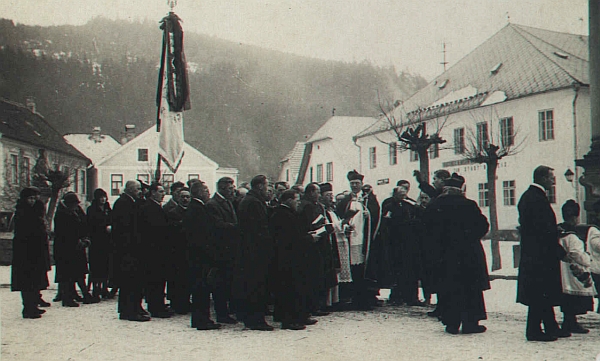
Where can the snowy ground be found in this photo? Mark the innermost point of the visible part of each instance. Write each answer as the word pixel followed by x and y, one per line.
pixel 93 332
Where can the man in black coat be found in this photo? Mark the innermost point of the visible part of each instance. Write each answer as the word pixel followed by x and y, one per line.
pixel 539 282
pixel 154 230
pixel 295 248
pixel 455 225
pixel 255 257
pixel 226 237
pixel 128 272
pixel 197 226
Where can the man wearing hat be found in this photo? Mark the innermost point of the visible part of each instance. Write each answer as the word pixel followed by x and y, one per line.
pixel 455 226
pixel 360 210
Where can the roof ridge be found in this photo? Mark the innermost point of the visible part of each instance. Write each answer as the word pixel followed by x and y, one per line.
pixel 544 55
pixel 553 45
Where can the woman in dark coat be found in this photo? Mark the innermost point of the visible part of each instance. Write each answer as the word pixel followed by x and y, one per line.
pixel 456 225
pixel 70 241
pixel 99 223
pixel 30 262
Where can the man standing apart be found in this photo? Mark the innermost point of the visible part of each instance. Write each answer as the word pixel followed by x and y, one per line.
pixel 255 256
pixel 539 283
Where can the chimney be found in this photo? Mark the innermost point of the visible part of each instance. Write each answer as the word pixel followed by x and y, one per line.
pixel 96 135
pixel 30 103
pixel 129 133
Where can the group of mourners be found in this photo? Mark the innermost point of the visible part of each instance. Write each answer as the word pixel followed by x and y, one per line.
pixel 299 253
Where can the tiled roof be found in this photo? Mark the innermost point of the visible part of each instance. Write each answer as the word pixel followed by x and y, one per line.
pixel 341 127
pixel 19 123
pixel 517 60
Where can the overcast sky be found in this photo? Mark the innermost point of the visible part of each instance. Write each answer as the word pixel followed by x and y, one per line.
pixel 406 33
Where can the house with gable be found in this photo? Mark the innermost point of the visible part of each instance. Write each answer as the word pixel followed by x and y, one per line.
pixel 330 153
pixel 289 166
pixel 524 87
pixel 25 135
pixel 136 159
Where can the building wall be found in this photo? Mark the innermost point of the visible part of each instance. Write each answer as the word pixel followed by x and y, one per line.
pixel 341 153
pixel 559 153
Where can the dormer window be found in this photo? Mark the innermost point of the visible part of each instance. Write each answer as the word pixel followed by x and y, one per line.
pixel 561 55
pixel 443 84
pixel 495 69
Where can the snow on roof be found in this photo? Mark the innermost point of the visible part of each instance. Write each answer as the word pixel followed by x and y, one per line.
pixel 95 148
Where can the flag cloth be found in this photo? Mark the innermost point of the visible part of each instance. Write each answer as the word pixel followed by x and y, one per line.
pixel 172 93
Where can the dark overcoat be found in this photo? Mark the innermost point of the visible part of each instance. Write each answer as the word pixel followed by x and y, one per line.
pixel 226 232
pixel 30 259
pixel 98 218
pixel 126 241
pixel 154 231
pixel 455 225
pixel 69 256
pixel 256 253
pixel 539 282
pixel 178 267
pixel 197 228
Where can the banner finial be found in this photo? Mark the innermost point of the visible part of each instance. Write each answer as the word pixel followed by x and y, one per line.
pixel 172 4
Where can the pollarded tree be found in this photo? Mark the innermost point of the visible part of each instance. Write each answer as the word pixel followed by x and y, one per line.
pixel 493 139
pixel 50 181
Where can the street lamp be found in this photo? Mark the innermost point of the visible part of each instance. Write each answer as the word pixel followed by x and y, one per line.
pixel 569 175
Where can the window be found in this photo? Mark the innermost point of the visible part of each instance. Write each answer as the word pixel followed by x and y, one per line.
pixel 508 189
pixel 507 132
pixel 546 120
pixel 459 141
pixel 142 155
pixel 26 172
pixel 551 193
pixel 14 169
pixel 373 157
pixel 393 153
pixel 82 182
pixel 311 175
pixel 482 136
pixel 193 176
pixel 67 172
pixel 116 183
pixel 414 156
pixel 329 171
pixel 320 173
pixel 434 151
pixel 484 195
pixel 287 175
pixel 75 180
pixel 167 180
pixel 144 178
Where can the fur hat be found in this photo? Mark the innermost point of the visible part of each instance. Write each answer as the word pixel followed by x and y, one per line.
pixel 354 175
pixel 455 180
pixel 326 187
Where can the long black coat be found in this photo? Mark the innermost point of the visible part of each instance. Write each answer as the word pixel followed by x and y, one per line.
pixel 225 230
pixel 154 231
pixel 295 248
pixel 455 226
pixel 69 256
pixel 178 267
pixel 256 253
pixel 197 228
pixel 126 241
pixel 98 218
pixel 31 259
pixel 539 282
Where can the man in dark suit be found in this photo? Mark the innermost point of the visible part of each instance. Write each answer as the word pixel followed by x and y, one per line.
pixel 154 229
pixel 197 227
pixel 128 273
pixel 255 257
pixel 226 236
pixel 539 283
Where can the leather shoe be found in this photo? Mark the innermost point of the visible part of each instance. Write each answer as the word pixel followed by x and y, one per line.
pixel 560 333
pixel 319 313
pixel 473 329
pixel 31 315
pixel 41 312
pixel 261 327
pixel 541 337
pixel 136 317
pixel 452 329
pixel 576 328
pixel 292 326
pixel 42 303
pixel 207 326
pixel 161 314
pixel 70 303
pixel 309 321
pixel 228 320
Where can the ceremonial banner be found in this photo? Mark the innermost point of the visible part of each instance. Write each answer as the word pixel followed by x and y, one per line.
pixel 172 93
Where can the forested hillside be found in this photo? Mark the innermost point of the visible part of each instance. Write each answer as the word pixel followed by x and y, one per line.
pixel 249 105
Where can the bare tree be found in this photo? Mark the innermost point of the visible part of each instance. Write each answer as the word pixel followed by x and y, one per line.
pixel 493 139
pixel 412 133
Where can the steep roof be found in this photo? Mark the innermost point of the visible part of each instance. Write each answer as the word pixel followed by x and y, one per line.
pixel 19 123
pixel 91 148
pixel 515 62
pixel 341 127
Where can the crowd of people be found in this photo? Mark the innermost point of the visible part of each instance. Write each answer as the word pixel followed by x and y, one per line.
pixel 300 253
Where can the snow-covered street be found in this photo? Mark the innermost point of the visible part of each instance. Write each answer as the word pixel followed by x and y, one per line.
pixel 94 332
